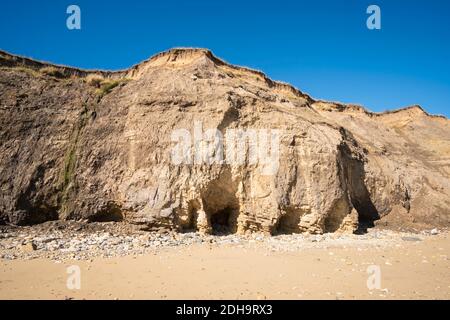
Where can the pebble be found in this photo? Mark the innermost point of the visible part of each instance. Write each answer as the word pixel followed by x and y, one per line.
pixel 411 239
pixel 434 232
pixel 72 241
pixel 29 247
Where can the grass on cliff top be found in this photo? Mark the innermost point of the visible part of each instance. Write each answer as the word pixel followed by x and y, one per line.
pixel 29 71
pixel 104 86
pixel 48 71
pixel 52 71
pixel 107 86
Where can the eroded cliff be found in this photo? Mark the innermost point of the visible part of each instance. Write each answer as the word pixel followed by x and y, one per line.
pixel 98 145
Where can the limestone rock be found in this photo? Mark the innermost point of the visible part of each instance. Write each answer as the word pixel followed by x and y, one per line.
pixel 99 145
pixel 29 247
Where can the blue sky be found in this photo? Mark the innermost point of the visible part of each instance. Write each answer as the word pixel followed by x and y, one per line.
pixel 323 47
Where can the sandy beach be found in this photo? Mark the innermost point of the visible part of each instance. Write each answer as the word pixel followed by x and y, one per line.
pixel 411 267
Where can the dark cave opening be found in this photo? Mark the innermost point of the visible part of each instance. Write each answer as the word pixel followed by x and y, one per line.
pixel 288 223
pixel 367 214
pixel 223 222
pixel 355 175
pixel 221 204
pixel 111 213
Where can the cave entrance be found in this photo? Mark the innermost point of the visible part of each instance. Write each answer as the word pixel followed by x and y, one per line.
pixel 221 204
pixel 360 197
pixel 288 223
pixel 110 213
pixel 224 221
pixel 367 214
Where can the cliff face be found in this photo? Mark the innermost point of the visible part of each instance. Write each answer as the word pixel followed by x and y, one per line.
pixel 100 146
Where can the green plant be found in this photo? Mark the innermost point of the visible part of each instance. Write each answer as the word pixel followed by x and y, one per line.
pixel 52 71
pixel 27 70
pixel 70 160
pixel 94 80
pixel 107 85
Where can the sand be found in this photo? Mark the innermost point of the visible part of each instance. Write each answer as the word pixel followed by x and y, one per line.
pixel 410 270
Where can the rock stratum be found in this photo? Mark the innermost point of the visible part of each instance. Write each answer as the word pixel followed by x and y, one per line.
pixel 96 146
